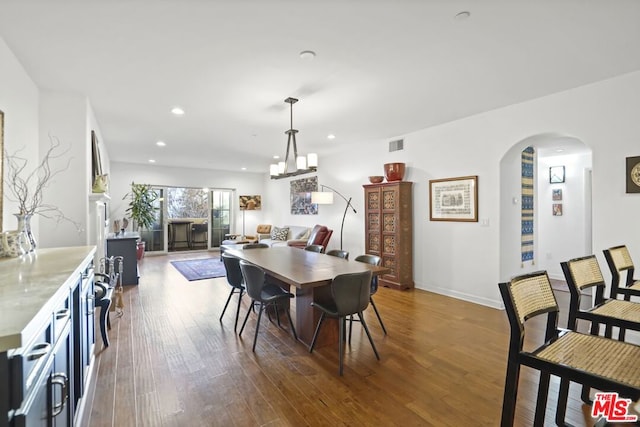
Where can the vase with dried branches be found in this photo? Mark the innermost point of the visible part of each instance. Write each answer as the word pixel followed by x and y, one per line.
pixel 26 187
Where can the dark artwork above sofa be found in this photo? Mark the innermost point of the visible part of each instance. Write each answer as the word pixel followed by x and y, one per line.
pixel 301 196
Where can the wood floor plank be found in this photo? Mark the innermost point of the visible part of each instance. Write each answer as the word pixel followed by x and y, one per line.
pixel 172 362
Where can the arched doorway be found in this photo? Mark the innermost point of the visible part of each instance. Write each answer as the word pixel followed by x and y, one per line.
pixel 562 231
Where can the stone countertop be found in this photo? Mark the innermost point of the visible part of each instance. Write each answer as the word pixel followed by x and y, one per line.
pixel 32 285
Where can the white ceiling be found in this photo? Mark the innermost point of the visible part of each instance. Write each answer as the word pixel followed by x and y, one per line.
pixel 383 68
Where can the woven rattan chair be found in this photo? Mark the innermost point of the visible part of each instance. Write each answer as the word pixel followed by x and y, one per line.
pixel 338 253
pixel 584 273
pixel 570 355
pixel 620 264
pixel 350 295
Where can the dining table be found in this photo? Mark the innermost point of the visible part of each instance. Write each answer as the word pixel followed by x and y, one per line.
pixel 311 274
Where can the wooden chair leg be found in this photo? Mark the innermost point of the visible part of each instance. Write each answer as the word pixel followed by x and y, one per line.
pixel 541 403
pixel 510 393
pixel 563 393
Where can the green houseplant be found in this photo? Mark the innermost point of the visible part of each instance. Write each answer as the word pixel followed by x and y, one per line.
pixel 142 209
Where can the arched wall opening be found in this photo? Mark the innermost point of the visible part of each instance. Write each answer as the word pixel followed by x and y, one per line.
pixel 560 232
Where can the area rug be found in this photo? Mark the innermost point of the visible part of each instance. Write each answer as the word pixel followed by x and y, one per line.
pixel 199 269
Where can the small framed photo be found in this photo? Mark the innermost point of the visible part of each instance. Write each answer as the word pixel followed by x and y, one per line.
pixel 557 209
pixel 556 174
pixel 454 199
pixel 633 174
pixel 556 194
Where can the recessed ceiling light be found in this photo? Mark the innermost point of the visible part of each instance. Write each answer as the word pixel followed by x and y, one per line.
pixel 161 143
pixel 559 150
pixel 177 111
pixel 331 136
pixel 307 55
pixel 462 15
pixel 276 157
pixel 243 168
pixel 152 161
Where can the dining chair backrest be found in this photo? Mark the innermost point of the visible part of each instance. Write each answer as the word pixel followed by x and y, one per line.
pixel 584 273
pixel 527 296
pixel 234 274
pixel 373 260
pixel 254 279
pixel 314 248
pixel 255 246
pixel 351 292
pixel 338 253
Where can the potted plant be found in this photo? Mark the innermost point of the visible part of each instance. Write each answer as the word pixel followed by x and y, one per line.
pixel 142 210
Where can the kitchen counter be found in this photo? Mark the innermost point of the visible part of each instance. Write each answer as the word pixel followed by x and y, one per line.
pixel 30 286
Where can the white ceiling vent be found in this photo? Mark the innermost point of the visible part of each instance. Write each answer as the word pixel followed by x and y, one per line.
pixel 396 145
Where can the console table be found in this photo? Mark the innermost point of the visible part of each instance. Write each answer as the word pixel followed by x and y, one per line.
pixel 125 245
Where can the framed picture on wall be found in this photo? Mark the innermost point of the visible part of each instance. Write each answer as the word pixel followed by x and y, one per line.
pixel 557 209
pixel 454 199
pixel 633 174
pixel 556 194
pixel 556 174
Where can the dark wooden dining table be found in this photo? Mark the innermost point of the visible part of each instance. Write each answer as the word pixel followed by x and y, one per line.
pixel 310 273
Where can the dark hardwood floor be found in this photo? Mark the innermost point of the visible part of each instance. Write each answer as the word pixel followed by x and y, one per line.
pixel 172 363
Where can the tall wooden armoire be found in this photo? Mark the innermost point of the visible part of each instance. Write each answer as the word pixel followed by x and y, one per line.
pixel 389 230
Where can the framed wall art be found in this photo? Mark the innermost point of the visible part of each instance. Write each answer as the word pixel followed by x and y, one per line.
pixel 556 194
pixel 454 199
pixel 633 174
pixel 556 174
pixel 557 209
pixel 301 190
pixel 251 203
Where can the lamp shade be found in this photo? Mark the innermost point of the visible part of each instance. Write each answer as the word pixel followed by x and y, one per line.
pixel 312 160
pixel 301 162
pixel 273 169
pixel 281 167
pixel 322 197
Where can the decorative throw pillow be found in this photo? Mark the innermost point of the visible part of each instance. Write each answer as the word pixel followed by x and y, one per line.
pixel 279 233
pixel 305 234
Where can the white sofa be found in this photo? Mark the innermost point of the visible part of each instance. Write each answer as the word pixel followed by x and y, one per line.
pixel 296 233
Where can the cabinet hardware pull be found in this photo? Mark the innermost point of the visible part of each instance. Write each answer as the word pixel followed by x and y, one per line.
pixel 38 351
pixel 60 379
pixel 62 314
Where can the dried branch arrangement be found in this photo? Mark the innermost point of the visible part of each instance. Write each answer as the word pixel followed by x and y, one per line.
pixel 26 186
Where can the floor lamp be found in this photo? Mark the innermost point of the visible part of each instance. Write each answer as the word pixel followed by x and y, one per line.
pixel 326 198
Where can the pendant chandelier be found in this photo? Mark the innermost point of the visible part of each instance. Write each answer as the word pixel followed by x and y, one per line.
pixel 303 164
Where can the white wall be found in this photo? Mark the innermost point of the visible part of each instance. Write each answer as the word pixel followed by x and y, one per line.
pixel 19 102
pixel 562 237
pixel 122 174
pixel 464 259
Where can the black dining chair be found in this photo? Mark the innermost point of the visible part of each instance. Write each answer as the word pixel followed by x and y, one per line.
pixel 314 248
pixel 338 253
pixel 373 260
pixel 236 281
pixel 265 295
pixel 350 296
